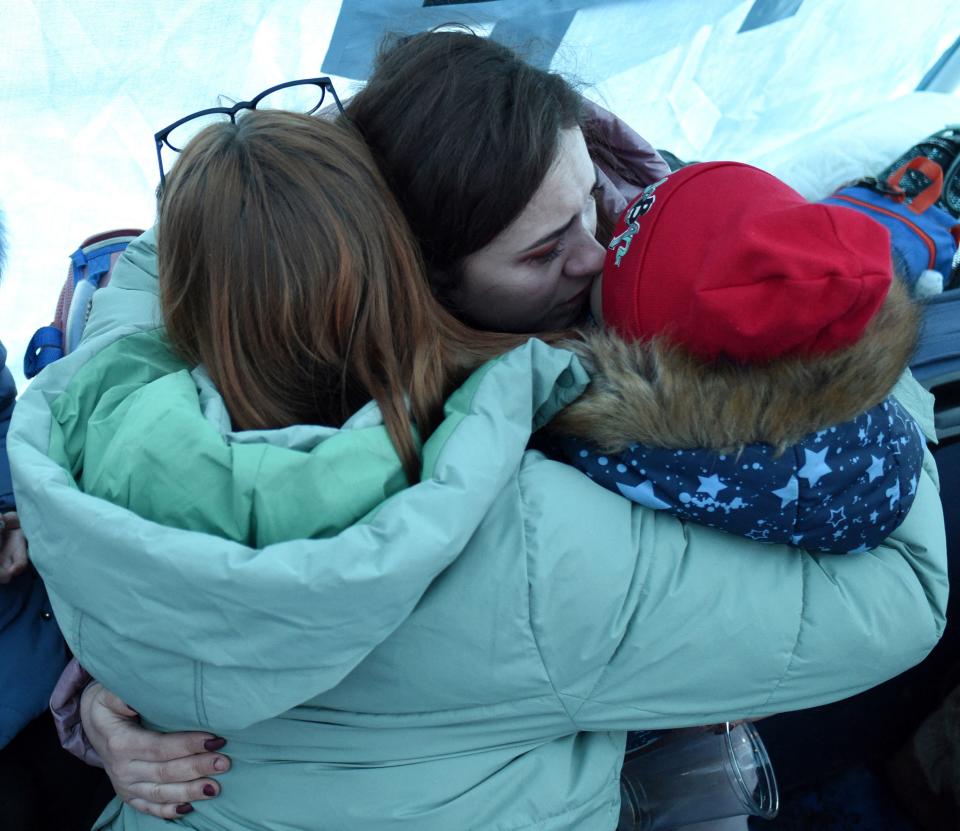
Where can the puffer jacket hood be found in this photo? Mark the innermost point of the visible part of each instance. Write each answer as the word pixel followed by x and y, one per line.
pixel 124 380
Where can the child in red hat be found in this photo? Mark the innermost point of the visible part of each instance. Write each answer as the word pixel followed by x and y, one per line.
pixel 744 379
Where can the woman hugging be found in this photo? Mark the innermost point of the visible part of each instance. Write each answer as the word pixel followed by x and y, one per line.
pixel 305 514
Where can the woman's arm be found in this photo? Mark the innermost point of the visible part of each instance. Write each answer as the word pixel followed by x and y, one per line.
pixel 645 622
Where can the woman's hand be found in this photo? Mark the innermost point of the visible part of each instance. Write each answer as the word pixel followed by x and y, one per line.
pixel 13 548
pixel 156 773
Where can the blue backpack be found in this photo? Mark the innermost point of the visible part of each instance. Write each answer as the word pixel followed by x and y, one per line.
pixel 90 268
pixel 924 235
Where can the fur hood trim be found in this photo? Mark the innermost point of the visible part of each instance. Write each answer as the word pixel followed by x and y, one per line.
pixel 655 394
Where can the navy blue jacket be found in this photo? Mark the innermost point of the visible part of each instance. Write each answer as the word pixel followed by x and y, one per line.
pixel 32 651
pixel 843 489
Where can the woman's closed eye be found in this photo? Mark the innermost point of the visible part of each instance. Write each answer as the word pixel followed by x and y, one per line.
pixel 545 256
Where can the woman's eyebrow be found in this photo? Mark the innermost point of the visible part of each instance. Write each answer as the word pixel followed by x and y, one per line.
pixel 551 236
pixel 561 231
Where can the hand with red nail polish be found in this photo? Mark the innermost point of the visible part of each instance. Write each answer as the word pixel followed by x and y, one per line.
pixel 159 774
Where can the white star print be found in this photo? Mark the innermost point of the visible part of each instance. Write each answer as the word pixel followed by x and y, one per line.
pixel 789 492
pixel 815 466
pixel 643 495
pixel 711 485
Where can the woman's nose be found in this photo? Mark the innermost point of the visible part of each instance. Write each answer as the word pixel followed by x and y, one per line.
pixel 587 257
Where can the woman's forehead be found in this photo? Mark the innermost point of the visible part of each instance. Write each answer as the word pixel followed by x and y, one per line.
pixel 560 196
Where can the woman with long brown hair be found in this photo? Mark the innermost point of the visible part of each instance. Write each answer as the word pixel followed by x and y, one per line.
pixel 511 181
pixel 283 263
pixel 463 652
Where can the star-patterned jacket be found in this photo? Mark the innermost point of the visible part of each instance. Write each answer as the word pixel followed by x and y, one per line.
pixel 810 452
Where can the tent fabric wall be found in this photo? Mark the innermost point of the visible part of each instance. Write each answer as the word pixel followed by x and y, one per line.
pixel 85 83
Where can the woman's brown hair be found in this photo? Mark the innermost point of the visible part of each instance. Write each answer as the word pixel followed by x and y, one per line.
pixel 289 272
pixel 464 131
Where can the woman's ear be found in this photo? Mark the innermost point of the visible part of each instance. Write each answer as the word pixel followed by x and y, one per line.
pixel 445 284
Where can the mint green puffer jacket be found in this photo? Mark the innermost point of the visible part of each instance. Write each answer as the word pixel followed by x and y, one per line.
pixel 466 653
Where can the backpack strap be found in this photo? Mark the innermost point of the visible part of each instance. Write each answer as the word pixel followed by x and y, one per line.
pixel 91 263
pixel 45 347
pixel 90 266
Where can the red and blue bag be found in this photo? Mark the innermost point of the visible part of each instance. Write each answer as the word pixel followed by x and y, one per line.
pixel 924 235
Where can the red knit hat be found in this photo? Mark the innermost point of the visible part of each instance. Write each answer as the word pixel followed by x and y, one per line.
pixel 725 259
